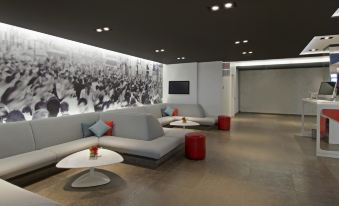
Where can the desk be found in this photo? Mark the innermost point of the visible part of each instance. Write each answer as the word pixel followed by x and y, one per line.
pixel 320 107
pixel 309 101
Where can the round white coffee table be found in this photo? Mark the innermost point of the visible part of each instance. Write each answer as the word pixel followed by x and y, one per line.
pixel 182 124
pixel 82 160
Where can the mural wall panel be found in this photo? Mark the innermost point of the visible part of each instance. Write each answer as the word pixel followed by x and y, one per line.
pixel 45 76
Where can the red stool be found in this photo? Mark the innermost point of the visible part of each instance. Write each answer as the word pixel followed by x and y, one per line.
pixel 195 146
pixel 224 122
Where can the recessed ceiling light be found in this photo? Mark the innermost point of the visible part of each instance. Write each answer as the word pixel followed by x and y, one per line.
pixel 245 41
pixel 228 5
pixel 244 53
pixel 157 50
pixel 162 50
pixel 237 42
pixel 183 57
pixel 215 8
pixel 313 50
pixel 178 58
pixel 106 29
pixel 250 52
pixel 326 38
pixel 99 30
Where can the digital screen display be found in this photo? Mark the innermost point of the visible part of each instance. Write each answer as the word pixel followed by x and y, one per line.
pixel 179 87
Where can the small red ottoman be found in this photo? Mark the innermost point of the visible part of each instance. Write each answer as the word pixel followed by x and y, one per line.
pixel 224 122
pixel 195 146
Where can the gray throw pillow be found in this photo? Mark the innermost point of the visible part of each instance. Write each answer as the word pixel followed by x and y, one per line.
pixel 85 130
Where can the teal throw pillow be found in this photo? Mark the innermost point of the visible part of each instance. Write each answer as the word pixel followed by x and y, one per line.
pixel 99 128
pixel 168 111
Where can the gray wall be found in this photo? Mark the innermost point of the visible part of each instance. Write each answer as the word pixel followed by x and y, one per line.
pixel 279 90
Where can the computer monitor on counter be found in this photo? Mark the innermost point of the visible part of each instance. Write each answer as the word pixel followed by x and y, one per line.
pixel 327 90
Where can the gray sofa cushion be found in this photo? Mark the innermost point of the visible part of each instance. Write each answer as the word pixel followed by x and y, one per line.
pixel 188 110
pixel 62 150
pixel 154 149
pixel 53 131
pixel 155 110
pixel 12 195
pixel 26 162
pixel 134 110
pixel 134 126
pixel 16 138
pixel 177 132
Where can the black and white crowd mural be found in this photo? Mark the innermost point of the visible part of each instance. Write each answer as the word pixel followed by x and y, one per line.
pixel 44 76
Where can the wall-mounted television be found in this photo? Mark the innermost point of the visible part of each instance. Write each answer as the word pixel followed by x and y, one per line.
pixel 178 87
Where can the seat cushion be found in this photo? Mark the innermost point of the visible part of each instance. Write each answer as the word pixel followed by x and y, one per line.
pixel 26 162
pixel 65 149
pixel 154 149
pixel 12 195
pixel 166 120
pixel 177 132
pixel 203 120
pixel 16 138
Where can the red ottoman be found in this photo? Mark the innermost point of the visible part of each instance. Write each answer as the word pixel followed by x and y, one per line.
pixel 195 146
pixel 224 122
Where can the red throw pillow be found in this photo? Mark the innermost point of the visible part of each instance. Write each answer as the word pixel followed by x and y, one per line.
pixel 175 112
pixel 109 131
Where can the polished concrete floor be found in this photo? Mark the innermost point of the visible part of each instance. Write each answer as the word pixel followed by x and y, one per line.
pixel 260 162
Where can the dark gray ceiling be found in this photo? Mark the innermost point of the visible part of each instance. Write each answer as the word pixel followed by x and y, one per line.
pixel 275 28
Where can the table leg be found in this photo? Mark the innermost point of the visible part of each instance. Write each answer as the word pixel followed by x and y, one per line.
pixel 91 178
pixel 302 118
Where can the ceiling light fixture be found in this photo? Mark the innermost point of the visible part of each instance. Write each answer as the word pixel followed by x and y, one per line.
pixel 250 52
pixel 244 53
pixel 215 8
pixel 162 50
pixel 313 50
pixel 99 30
pixel 326 38
pixel 245 41
pixel 228 5
pixel 183 57
pixel 106 28
pixel 237 42
pixel 157 50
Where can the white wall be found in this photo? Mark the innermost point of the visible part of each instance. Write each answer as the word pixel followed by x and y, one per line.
pixel 210 87
pixel 279 90
pixel 205 85
pixel 181 72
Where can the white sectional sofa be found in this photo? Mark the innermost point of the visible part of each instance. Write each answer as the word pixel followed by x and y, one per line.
pixel 193 112
pixel 137 135
pixel 12 195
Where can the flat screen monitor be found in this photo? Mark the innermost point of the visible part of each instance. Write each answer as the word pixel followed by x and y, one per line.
pixel 327 90
pixel 179 87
